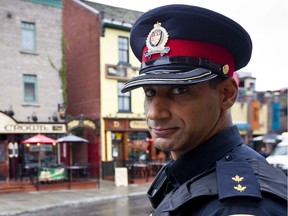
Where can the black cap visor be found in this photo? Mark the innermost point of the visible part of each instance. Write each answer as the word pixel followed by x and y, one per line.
pixel 169 77
pixel 175 70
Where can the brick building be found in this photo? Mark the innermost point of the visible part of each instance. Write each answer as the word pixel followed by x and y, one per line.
pixel 82 31
pixel 30 58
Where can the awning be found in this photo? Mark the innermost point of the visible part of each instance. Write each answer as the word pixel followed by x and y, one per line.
pixel 242 125
pixel 268 138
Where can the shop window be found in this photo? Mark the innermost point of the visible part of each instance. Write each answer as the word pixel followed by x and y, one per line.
pixel 138 146
pixel 2 152
pixel 28 37
pixel 123 49
pixel 117 148
pixel 241 94
pixel 124 100
pixel 30 88
pixel 44 155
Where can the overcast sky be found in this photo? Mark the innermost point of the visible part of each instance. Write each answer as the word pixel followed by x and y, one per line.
pixel 265 20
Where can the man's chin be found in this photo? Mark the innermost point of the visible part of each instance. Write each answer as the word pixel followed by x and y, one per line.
pixel 163 144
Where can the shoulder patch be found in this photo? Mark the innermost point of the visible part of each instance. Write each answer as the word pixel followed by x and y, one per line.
pixel 236 178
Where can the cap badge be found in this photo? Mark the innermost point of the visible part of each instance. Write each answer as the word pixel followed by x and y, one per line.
pixel 156 41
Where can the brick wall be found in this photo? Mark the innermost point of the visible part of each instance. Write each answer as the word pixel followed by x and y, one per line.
pixel 82 35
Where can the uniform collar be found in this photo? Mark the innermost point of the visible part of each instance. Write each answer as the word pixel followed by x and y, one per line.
pixel 203 157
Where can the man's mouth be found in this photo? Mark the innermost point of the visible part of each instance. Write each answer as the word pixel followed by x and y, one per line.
pixel 163 131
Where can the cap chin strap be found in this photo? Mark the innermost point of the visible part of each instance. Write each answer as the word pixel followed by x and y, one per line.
pixel 176 64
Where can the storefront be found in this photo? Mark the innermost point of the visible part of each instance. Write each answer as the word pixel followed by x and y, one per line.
pixel 14 155
pixel 128 141
pixel 84 153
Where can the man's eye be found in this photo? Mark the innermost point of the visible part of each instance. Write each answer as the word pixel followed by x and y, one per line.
pixel 180 90
pixel 149 92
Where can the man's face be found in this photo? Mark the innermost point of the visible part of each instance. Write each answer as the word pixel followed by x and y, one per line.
pixel 179 118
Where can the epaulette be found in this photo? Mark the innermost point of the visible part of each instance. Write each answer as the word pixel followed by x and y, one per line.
pixel 271 180
pixel 235 177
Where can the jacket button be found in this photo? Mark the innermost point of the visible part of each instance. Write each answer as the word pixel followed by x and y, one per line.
pixel 228 158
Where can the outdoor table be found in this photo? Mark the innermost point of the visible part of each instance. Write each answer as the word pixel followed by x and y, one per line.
pixel 77 170
pixel 138 170
pixel 74 171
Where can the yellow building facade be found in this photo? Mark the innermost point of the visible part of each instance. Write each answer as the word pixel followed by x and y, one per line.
pixel 116 124
pixel 243 115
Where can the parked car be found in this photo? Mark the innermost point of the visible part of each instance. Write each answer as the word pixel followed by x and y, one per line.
pixel 279 156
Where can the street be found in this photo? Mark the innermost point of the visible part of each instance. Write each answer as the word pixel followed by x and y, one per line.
pixel 132 206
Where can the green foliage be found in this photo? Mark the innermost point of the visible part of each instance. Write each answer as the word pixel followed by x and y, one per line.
pixel 62 70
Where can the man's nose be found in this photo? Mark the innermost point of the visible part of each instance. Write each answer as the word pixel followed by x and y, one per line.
pixel 158 108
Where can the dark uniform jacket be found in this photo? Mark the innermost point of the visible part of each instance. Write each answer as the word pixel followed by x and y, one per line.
pixel 220 177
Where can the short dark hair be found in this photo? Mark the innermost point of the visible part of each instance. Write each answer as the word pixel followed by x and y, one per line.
pixel 214 82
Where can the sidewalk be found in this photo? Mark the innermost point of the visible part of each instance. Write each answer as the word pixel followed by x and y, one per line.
pixel 17 203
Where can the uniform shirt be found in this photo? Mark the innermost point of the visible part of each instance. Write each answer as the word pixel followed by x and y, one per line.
pixel 204 156
pixel 201 181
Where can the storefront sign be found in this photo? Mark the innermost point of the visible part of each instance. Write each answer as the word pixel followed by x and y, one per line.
pixel 52 174
pixel 81 123
pixel 9 126
pixel 32 128
pixel 43 147
pixel 121 176
pixel 115 124
pixel 138 124
pixel 121 72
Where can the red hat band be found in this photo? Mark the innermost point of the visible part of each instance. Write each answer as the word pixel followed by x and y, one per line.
pixel 180 47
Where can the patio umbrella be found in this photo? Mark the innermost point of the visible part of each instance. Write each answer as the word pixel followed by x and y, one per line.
pixel 39 139
pixel 70 138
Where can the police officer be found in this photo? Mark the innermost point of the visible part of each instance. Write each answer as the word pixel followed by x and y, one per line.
pixel 188 56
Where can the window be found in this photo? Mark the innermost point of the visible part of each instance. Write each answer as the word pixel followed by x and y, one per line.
pixel 124 100
pixel 30 88
pixel 123 49
pixel 28 40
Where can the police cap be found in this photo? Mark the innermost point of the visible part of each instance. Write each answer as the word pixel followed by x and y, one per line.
pixel 185 45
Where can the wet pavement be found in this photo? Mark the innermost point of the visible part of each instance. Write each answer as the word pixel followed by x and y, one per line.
pixel 25 202
pixel 128 206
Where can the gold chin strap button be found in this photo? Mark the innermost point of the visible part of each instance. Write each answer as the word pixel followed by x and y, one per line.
pixel 225 69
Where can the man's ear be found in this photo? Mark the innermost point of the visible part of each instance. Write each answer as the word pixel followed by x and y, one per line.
pixel 230 92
